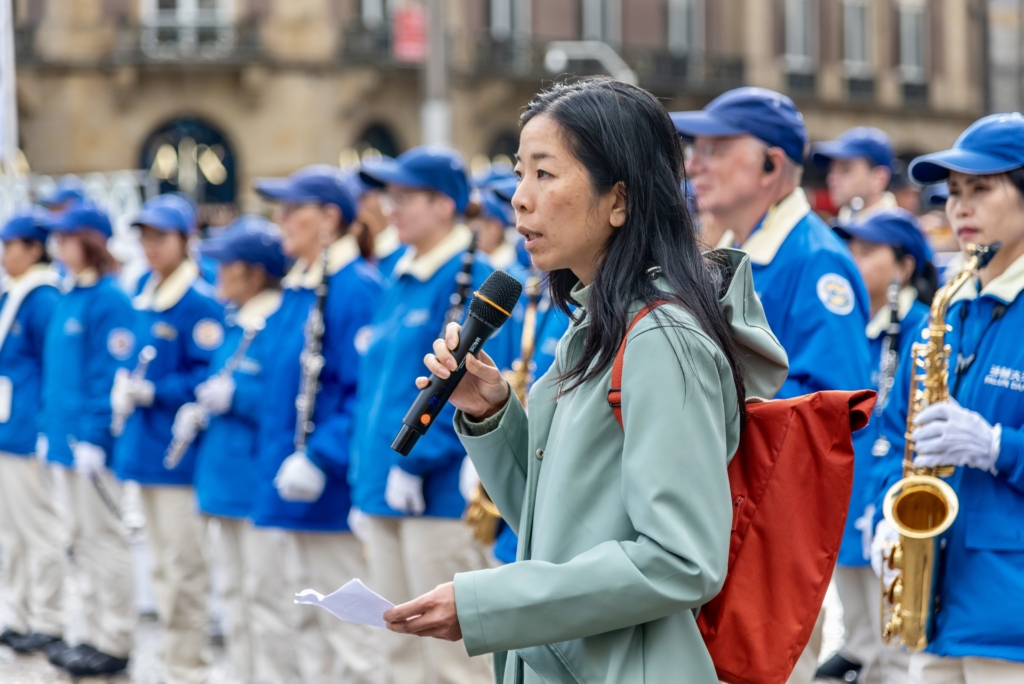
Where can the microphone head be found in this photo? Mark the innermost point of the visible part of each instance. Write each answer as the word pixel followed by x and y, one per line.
pixel 494 301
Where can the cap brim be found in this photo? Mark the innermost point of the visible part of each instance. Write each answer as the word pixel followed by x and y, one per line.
pixel 935 167
pixel 867 233
pixel 381 172
pixel 154 220
pixel 216 249
pixel 823 153
pixel 281 190
pixel 505 189
pixel 692 124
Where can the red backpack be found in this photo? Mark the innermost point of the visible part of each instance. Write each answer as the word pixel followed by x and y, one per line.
pixel 791 480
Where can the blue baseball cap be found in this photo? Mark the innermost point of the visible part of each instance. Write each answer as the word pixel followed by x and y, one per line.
pixel 85 215
pixel 170 213
pixel 506 188
pixel 252 239
pixel 894 227
pixel 317 184
pixel 429 167
pixel 993 144
pixel 935 194
pixel 492 174
pixel 496 207
pixel 69 188
pixel 765 114
pixel 862 142
pixel 29 224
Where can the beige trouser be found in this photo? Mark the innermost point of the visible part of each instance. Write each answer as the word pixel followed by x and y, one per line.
pixel 329 649
pixel 104 561
pixel 860 592
pixel 807 663
pixel 33 553
pixel 256 599
pixel 181 583
pixel 408 557
pixel 926 668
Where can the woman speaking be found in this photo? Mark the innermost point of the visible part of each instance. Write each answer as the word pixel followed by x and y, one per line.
pixel 624 532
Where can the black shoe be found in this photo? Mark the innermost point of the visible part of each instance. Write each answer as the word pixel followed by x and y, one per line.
pixel 838 667
pixel 36 641
pixel 9 635
pixel 56 649
pixel 96 663
pixel 60 658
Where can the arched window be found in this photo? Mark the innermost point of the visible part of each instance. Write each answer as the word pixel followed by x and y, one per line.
pixel 194 157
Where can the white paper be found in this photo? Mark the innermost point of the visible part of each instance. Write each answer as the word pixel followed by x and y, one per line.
pixel 354 602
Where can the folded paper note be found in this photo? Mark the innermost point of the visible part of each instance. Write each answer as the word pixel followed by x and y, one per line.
pixel 354 602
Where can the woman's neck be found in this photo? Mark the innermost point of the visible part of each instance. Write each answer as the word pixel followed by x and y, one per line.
pixel 166 273
pixel 1006 255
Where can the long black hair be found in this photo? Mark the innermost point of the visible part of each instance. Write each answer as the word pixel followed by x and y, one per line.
pixel 622 134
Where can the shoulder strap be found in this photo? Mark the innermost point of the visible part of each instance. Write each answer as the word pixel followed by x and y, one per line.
pixel 615 393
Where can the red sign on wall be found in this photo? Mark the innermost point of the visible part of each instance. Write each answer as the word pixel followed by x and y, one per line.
pixel 409 34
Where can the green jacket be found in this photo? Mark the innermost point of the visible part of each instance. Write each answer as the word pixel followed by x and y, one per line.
pixel 623 535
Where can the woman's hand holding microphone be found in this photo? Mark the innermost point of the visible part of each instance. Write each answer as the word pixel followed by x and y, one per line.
pixel 482 392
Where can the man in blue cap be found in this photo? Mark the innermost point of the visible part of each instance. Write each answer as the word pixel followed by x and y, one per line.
pixel 301 482
pixel 745 160
pixel 29 525
pixel 413 526
pixel 860 163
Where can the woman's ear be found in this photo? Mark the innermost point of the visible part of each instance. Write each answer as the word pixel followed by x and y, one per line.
pixel 907 266
pixel 618 213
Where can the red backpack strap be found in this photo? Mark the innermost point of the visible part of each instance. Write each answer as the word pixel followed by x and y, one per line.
pixel 615 393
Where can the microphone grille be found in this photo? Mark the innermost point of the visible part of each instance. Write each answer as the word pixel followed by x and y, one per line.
pixel 503 290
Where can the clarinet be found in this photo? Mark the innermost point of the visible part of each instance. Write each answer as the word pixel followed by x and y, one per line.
pixel 463 287
pixel 201 420
pixel 312 362
pixel 887 366
pixel 146 356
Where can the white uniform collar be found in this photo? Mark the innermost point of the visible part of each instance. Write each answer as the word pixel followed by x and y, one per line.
pixel 161 295
pixel 255 312
pixel 340 254
pixel 904 301
pixel 424 267
pixel 1004 288
pixel 504 256
pixel 764 244
pixel 35 275
pixel 887 201
pixel 386 242
pixel 86 278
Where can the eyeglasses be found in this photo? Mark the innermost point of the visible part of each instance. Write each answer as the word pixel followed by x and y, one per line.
pixel 711 149
pixel 396 199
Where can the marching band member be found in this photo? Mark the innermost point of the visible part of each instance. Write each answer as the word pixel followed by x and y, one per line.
pixel 895 262
pixel 977 636
pixel 176 315
pixel 859 165
pixel 29 525
pixel 89 338
pixel 227 408
pixel 329 298
pixel 746 164
pixel 624 533
pixel 490 226
pixel 414 534
pixel 373 221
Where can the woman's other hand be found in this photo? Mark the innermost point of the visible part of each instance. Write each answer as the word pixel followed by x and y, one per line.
pixel 430 615
pixel 482 391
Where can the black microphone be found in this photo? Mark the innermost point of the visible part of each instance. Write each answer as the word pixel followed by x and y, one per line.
pixel 490 307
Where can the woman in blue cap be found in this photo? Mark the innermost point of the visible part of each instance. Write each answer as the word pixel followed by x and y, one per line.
pixel 413 508
pixel 178 317
pixel 29 526
pixel 895 262
pixel 978 636
pixel 225 419
pixel 301 480
pixel 89 338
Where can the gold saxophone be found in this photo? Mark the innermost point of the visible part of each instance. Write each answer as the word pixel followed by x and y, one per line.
pixel 921 506
pixel 482 515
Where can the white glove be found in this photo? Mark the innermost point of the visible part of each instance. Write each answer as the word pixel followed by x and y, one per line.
pixel 89 459
pixel 141 391
pixel 863 524
pixel 357 522
pixel 42 447
pixel 188 421
pixel 468 479
pixel 120 396
pixel 949 434
pixel 885 536
pixel 216 394
pixel 404 492
pixel 298 479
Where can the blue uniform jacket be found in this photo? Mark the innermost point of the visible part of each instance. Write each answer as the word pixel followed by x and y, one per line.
pixel 21 362
pixel 352 296
pixel 409 319
pixel 184 323
pixel 813 298
pixel 227 459
pixel 856 547
pixel 89 338
pixel 981 576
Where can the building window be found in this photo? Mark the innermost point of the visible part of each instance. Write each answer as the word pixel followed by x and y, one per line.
pixel 685 17
pixel 501 19
pixel 602 20
pixel 856 57
pixel 187 28
pixel 913 41
pixel 800 25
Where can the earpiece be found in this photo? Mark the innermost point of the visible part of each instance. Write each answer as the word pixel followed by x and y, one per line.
pixel 769 165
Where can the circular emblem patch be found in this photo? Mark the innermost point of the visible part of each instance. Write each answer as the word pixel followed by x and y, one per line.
pixel 120 343
pixel 836 293
pixel 208 334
